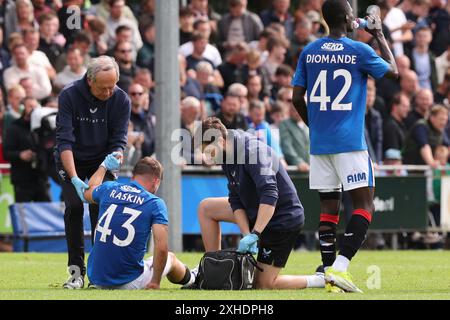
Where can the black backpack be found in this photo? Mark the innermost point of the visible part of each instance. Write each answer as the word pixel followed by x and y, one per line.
pixel 226 270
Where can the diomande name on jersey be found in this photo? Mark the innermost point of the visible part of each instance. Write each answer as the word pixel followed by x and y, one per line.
pixel 334 73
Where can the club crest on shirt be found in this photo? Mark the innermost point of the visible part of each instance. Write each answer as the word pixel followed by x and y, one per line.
pixel 131 189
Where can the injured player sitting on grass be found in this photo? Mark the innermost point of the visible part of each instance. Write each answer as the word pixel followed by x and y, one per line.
pixel 125 225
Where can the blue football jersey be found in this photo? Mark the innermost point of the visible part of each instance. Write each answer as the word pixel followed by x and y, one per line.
pixel 127 213
pixel 334 73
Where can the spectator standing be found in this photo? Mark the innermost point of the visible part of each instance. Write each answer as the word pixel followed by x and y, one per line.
pixel 261 128
pixel 230 114
pixel 74 70
pixel 141 119
pixel 238 25
pixel 146 54
pixel 387 88
pixel 277 48
pixel 92 122
pixel 235 68
pixel 425 136
pixel 442 64
pixel 123 53
pixel 394 128
pixel 118 18
pixel 199 41
pixel 409 84
pixel 24 18
pixel 423 61
pixel 211 53
pixel 423 102
pixel 37 57
pixel 279 13
pixel 374 124
pixel 82 42
pixel 212 97
pixel 14 108
pixel 186 24
pixel 30 184
pixel 48 31
pixel 439 19
pixel 97 30
pixel 11 77
pixel 395 20
pixel 294 137
pixel 65 15
pixel 301 37
pixel 442 92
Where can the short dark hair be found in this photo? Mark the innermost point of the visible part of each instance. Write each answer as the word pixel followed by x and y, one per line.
pixel 123 27
pixel 276 41
pixel 334 12
pixel 197 35
pixel 256 104
pixel 213 123
pixel 148 166
pixel 82 37
pixel 284 70
pixel 186 12
pixel 199 22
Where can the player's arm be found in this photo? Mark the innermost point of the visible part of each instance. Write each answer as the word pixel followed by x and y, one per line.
pixel 298 99
pixel 160 252
pixel 68 163
pixel 385 51
pixel 95 180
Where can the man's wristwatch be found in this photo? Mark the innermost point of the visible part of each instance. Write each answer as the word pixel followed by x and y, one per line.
pixel 257 233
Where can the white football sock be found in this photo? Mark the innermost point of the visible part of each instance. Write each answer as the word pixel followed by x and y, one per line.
pixel 341 264
pixel 315 281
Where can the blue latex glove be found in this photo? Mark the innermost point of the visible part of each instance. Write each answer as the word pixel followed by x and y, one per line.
pixel 80 187
pixel 249 243
pixel 111 163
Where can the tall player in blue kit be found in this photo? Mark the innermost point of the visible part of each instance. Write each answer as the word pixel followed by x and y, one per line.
pixel 332 72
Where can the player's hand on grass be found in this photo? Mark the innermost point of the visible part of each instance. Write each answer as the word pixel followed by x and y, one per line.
pixel 249 243
pixel 80 187
pixel 152 286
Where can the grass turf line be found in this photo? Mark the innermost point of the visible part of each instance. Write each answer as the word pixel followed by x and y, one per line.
pixel 404 275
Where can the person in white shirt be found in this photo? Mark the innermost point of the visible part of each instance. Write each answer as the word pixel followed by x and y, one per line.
pixel 73 71
pixel 37 57
pixel 23 68
pixel 211 53
pixel 399 27
pixel 117 19
pixel 442 64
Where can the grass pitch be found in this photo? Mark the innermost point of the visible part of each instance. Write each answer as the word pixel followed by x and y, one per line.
pixel 390 274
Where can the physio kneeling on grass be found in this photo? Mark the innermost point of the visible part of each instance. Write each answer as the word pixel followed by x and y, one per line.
pixel 262 201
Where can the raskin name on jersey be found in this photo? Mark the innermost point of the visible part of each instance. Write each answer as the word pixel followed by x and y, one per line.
pixel 128 197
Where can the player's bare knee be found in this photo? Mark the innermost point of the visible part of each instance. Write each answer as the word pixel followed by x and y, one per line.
pixel 203 211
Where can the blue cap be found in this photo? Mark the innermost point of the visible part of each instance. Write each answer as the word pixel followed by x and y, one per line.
pixel 393 154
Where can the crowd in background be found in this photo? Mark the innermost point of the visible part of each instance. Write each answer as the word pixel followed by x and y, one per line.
pixel 236 65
